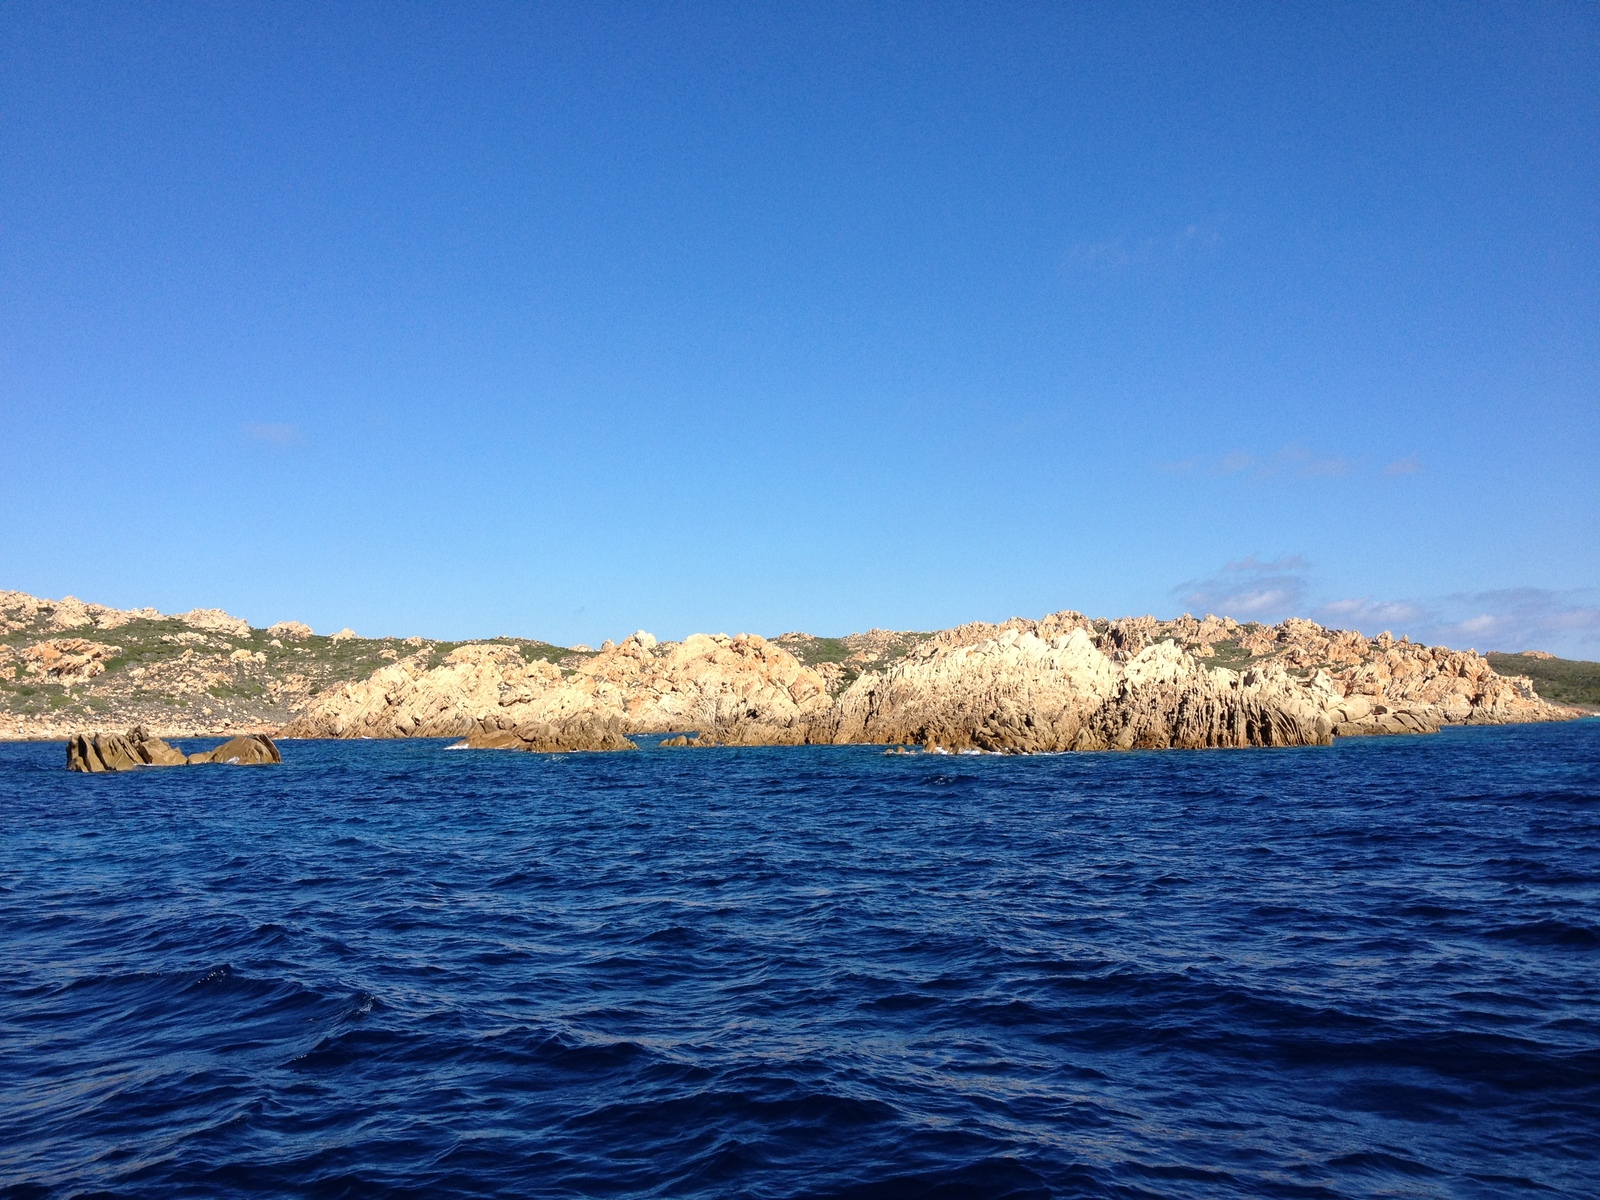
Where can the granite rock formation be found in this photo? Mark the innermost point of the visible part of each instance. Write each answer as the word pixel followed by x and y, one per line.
pixel 102 752
pixel 1020 692
pixel 709 682
pixel 1062 683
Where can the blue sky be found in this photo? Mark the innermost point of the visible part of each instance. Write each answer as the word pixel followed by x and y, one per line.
pixel 563 321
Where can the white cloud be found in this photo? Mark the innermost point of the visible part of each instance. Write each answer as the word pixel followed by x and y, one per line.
pixel 1368 615
pixel 1566 623
pixel 1250 589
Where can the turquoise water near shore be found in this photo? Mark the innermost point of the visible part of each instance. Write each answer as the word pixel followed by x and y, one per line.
pixel 389 969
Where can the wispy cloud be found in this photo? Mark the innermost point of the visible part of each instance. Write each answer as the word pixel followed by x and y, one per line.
pixel 1368 615
pixel 1121 251
pixel 276 434
pixel 1252 562
pixel 1404 466
pixel 1251 589
pixel 1511 619
pixel 1566 623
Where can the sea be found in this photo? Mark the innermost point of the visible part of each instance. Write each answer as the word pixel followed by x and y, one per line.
pixel 391 969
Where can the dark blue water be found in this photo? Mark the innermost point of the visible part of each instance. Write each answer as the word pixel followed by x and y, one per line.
pixel 397 970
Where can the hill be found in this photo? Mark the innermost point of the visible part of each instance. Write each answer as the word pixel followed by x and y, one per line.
pixel 1558 680
pixel 1064 681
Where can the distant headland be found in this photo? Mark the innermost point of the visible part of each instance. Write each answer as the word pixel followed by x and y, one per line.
pixel 1063 682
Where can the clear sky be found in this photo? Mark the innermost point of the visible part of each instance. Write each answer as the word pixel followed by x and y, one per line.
pixel 562 321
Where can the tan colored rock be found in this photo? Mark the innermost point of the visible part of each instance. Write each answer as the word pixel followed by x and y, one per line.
pixel 344 635
pixel 20 611
pixel 1018 684
pixel 1018 692
pixel 249 750
pixel 744 687
pixel 293 631
pixel 409 699
pixel 102 752
pixel 214 620
pixel 69 660
pixel 573 735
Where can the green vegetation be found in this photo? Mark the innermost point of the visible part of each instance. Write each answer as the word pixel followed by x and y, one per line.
pixel 814 651
pixel 545 652
pixel 1559 680
pixel 1229 654
pixel 161 668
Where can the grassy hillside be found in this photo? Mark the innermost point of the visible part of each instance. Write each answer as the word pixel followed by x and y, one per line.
pixel 169 675
pixel 1559 680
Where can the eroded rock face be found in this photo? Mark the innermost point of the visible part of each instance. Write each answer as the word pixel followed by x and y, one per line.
pixel 214 620
pixel 1060 683
pixel 578 734
pixel 100 752
pixel 1020 692
pixel 704 682
pixel 20 611
pixel 248 750
pixel 68 659
pixel 410 699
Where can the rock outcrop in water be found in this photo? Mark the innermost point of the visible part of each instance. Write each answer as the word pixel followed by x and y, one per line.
pixel 1063 683
pixel 101 752
pixel 1022 692
pixel 575 734
pixel 721 683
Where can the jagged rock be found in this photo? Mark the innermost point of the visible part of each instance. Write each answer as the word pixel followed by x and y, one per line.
pixel 214 620
pixel 20 611
pixel 1021 693
pixel 1061 682
pixel 69 660
pixel 250 750
pixel 94 753
pixel 410 699
pixel 741 686
pixel 550 738
pixel 99 752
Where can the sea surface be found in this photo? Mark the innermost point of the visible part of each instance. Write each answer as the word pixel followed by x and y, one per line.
pixel 393 969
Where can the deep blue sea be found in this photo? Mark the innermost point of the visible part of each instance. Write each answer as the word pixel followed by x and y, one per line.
pixel 392 969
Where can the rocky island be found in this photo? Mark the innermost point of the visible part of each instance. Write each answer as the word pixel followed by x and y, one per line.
pixel 1064 682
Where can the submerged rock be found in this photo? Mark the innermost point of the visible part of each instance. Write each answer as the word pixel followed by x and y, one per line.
pixel 100 752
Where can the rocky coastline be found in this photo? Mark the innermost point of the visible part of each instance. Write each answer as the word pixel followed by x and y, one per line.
pixel 1064 682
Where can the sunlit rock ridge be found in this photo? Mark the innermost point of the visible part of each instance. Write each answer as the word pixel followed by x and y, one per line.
pixel 1064 682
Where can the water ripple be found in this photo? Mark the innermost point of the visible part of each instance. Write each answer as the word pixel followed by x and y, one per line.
pixel 387 970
